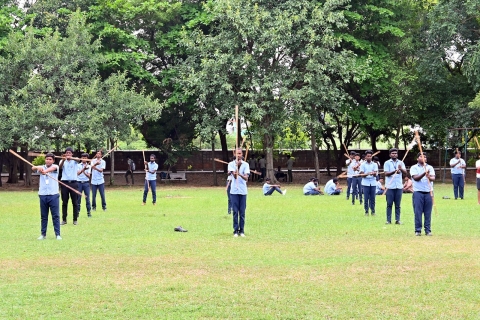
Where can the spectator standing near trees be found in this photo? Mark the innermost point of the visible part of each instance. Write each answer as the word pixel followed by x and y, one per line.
pixel 290 168
pixel 130 169
pixel 263 166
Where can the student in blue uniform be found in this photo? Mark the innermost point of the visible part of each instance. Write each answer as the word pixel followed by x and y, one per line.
pixel 83 182
pixel 369 182
pixel 69 178
pixel 457 167
pixel 422 177
pixel 150 179
pixel 268 188
pixel 240 171
pixel 393 170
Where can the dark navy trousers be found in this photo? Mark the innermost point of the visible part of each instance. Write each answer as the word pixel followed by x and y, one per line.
pixel 422 203
pixel 394 196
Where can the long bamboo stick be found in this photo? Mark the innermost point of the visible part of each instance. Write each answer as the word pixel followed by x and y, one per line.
pixel 417 136
pixel 24 160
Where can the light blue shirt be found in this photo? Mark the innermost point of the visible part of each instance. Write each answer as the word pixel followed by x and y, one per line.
pixel 82 177
pixel 309 187
pixel 239 186
pixel 424 184
pixel 379 187
pixel 390 166
pixel 69 170
pixel 457 169
pixel 330 187
pixel 350 171
pixel 48 186
pixel 266 187
pixel 152 167
pixel 97 177
pixel 369 167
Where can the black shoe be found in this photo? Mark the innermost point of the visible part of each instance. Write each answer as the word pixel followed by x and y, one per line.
pixel 89 215
pixel 388 222
pixel 361 201
pixel 373 213
pixel 398 222
pixel 429 234
pixel 418 234
pixel 353 203
pixel 180 229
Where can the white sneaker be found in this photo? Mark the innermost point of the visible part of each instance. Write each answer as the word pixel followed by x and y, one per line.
pixel 59 238
pixel 42 238
pixel 284 192
pixel 235 235
pixel 242 235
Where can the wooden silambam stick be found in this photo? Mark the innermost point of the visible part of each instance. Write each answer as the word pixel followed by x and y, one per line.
pixel 24 160
pixel 36 154
pixel 409 147
pixel 417 136
pixel 221 161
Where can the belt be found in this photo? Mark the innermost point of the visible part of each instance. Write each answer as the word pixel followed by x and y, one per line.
pixel 83 181
pixel 69 181
pixel 423 192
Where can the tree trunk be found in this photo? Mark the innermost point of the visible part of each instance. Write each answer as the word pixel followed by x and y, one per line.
pixel 397 137
pixel 28 169
pixel 112 162
pixel 2 154
pixel 214 164
pixel 13 170
pixel 225 151
pixel 315 154
pixel 268 143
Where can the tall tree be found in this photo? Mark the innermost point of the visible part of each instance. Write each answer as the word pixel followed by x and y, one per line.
pixel 259 55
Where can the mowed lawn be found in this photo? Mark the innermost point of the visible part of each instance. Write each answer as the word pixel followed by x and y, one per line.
pixel 302 258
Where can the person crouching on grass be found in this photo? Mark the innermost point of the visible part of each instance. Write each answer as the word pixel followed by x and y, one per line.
pixel 49 196
pixel 332 187
pixel 268 188
pixel 312 188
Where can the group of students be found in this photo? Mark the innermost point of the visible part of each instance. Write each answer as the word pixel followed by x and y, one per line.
pixel 76 179
pixel 363 180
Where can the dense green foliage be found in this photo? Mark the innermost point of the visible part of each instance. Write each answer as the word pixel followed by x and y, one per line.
pixel 330 72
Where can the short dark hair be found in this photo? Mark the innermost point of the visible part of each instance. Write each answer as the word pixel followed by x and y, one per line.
pixel 50 155
pixel 335 180
pixel 421 153
pixel 352 153
pixel 368 152
pixel 85 155
pixel 392 150
pixel 458 152
pixel 154 156
pixel 267 179
pixel 69 149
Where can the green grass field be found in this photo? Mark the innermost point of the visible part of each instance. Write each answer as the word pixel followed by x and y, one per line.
pixel 303 258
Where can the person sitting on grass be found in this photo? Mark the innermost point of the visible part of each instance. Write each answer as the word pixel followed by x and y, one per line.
pixel 268 188
pixel 408 185
pixel 312 188
pixel 332 187
pixel 380 188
